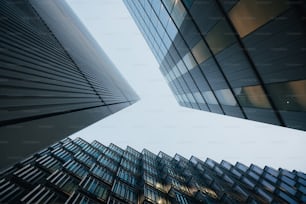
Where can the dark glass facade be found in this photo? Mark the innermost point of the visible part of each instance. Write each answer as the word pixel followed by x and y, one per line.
pixel 79 172
pixel 54 78
pixel 239 58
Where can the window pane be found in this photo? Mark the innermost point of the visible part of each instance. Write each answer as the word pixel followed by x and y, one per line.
pixel 289 96
pixel 169 4
pixel 198 97
pixel 200 52
pixel 181 67
pixel 252 96
pixel 226 97
pixel 248 15
pixel 210 98
pixel 220 37
pixel 178 13
pixel 189 61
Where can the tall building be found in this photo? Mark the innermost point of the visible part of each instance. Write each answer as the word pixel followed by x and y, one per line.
pixel 54 78
pixel 79 172
pixel 239 58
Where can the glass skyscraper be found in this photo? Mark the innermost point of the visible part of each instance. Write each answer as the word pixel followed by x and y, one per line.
pixel 79 172
pixel 54 78
pixel 242 58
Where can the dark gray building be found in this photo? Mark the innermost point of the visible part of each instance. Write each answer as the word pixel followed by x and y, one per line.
pixel 79 172
pixel 239 58
pixel 54 78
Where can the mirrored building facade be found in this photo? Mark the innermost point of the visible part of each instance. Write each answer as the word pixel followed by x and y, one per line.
pixel 79 172
pixel 54 78
pixel 241 58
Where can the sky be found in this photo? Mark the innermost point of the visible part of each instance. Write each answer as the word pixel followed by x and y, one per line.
pixel 158 123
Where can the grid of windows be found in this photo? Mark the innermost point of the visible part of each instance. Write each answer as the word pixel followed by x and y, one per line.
pixel 238 58
pixel 152 179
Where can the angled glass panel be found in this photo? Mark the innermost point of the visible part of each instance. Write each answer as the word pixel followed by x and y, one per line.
pixel 248 15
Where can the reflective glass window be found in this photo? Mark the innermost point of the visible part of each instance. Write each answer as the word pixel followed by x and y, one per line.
pixel 102 173
pixel 256 169
pixel 169 4
pixel 181 67
pixel 210 98
pixel 189 61
pixel 241 166
pixel 126 176
pixel 268 186
pixel 290 96
pixel 226 165
pixel 252 96
pixel 178 13
pixel 125 192
pixel 264 194
pixel 163 15
pixel 248 15
pixel 191 98
pixel 95 187
pixel 155 196
pixel 287 188
pixel 155 4
pixel 220 37
pixel 253 175
pixel 226 97
pixel 171 29
pixel 199 97
pixel 76 168
pixel 200 52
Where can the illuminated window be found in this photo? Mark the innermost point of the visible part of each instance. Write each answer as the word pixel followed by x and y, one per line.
pixel 252 96
pixel 248 15
pixel 200 52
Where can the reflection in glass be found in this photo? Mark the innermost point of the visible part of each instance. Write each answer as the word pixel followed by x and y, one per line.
pixel 171 29
pixel 181 67
pixel 252 96
pixel 220 37
pixel 198 97
pixel 290 96
pixel 189 61
pixel 210 98
pixel 178 13
pixel 200 52
pixel 226 97
pixel 248 15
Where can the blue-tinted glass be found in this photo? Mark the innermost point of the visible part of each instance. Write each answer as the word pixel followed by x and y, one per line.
pixel 268 185
pixel 171 29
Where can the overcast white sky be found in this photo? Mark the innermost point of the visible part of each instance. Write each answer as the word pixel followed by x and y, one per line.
pixel 157 122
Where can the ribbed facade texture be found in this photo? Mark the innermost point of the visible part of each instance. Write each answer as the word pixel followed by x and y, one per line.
pixel 79 172
pixel 239 58
pixel 54 78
